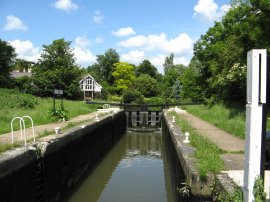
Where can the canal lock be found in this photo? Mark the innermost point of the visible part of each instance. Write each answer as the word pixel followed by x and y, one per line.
pixel 143 120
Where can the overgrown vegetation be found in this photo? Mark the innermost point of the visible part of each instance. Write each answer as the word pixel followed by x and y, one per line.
pixel 4 146
pixel 59 114
pixel 258 190
pixel 207 153
pixel 11 99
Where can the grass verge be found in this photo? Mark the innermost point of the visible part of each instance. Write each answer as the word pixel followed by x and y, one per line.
pixel 207 153
pixel 38 111
pixel 231 117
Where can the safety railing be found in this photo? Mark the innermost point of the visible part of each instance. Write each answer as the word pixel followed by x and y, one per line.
pixel 22 129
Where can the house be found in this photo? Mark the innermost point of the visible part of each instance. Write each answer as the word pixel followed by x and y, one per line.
pixel 16 74
pixel 90 87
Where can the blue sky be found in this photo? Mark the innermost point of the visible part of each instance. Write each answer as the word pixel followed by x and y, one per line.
pixel 137 30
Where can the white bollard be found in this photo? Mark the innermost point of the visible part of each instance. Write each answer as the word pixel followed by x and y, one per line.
pixel 186 137
pixel 57 130
pixel 97 120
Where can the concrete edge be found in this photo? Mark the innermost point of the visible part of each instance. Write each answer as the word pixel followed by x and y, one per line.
pixel 199 188
pixel 15 159
pixel 52 143
pixel 224 187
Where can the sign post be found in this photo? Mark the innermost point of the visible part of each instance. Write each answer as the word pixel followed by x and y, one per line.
pixel 57 93
pixel 255 119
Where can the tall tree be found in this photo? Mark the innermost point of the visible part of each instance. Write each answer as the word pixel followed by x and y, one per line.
pixel 147 85
pixel 191 82
pixel 7 57
pixel 124 75
pixel 168 64
pixel 145 67
pixel 106 63
pixel 169 82
pixel 222 50
pixel 56 69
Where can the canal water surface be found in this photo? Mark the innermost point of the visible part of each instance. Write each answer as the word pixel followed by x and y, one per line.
pixel 136 169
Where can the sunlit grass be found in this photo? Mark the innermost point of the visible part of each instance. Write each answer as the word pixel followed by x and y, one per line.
pixel 231 119
pixel 40 113
pixel 207 153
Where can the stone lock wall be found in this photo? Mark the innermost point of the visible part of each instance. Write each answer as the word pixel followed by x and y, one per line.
pixel 48 170
pixel 200 190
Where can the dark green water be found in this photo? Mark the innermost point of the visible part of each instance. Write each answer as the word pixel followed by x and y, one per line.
pixel 134 170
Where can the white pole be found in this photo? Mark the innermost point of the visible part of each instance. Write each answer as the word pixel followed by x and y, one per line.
pixel 256 97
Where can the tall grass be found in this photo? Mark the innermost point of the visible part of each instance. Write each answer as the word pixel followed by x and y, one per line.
pixel 207 153
pixel 229 118
pixel 39 112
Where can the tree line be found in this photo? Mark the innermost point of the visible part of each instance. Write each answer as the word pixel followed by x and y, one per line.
pixel 57 69
pixel 220 55
pixel 217 70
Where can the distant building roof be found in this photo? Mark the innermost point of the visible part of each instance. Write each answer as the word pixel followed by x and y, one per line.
pixel 16 74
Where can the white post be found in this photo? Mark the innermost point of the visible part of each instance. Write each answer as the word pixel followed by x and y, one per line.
pixel 256 97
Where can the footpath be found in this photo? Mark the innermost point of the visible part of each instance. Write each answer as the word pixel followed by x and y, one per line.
pixel 50 127
pixel 234 159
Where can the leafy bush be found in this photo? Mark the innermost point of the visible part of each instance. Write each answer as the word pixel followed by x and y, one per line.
pixel 132 96
pixel 59 114
pixel 258 190
pixel 26 101
pixel 147 85
pixel 13 99
pixel 115 98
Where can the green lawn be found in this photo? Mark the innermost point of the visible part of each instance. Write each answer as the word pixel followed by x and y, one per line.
pixel 39 113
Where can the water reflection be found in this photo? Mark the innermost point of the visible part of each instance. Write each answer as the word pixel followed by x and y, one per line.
pixel 133 171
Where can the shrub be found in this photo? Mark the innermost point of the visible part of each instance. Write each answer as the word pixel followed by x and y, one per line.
pixel 59 114
pixel 10 99
pixel 258 190
pixel 132 96
pixel 115 98
pixel 154 100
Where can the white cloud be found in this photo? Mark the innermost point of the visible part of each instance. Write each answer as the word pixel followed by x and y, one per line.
pixel 208 10
pixel 82 42
pixel 14 23
pixel 26 50
pixel 81 52
pixel 134 57
pixel 156 47
pixel 223 10
pixel 99 39
pixel 98 17
pixel 124 31
pixel 84 56
pixel 158 62
pixel 182 44
pixel 181 60
pixel 66 5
